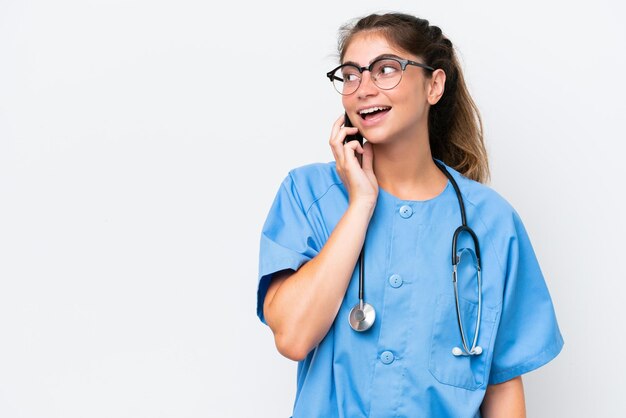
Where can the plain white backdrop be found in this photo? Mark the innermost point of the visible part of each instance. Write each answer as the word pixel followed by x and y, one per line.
pixel 142 143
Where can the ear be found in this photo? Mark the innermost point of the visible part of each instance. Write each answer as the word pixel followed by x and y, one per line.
pixel 436 86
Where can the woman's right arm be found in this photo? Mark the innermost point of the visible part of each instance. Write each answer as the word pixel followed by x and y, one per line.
pixel 300 306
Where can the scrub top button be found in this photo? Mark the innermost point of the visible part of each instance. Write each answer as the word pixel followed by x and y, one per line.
pixel 387 357
pixel 406 211
pixel 395 280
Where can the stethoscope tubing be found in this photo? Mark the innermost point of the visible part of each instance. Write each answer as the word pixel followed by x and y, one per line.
pixel 474 349
pixel 362 316
pixel 362 273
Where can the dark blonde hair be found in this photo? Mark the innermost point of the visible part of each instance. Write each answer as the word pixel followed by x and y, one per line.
pixel 454 125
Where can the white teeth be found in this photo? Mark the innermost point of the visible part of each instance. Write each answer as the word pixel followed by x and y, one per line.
pixel 372 109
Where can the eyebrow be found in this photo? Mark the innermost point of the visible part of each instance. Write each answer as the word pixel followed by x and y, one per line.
pixel 376 58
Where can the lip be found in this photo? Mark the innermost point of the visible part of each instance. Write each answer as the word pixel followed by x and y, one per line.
pixel 360 109
pixel 375 120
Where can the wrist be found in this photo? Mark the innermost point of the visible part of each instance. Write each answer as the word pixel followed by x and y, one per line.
pixel 362 206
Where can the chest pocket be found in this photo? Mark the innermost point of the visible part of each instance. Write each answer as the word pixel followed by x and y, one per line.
pixel 468 372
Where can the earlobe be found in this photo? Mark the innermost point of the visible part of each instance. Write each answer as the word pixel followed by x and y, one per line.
pixel 436 86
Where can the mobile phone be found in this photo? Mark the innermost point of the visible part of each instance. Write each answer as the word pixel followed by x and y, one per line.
pixel 355 137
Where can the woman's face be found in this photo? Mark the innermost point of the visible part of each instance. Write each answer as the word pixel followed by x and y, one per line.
pixel 404 111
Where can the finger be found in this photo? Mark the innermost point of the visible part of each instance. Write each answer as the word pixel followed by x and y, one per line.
pixel 355 146
pixel 368 157
pixel 337 126
pixel 337 142
pixel 334 134
pixel 351 149
pixel 339 131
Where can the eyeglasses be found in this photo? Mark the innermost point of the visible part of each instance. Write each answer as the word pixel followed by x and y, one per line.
pixel 386 74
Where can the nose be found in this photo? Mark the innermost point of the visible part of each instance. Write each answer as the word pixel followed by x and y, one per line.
pixel 367 86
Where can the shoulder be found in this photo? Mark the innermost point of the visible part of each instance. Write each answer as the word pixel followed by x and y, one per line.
pixel 312 181
pixel 488 204
pixel 495 220
pixel 481 195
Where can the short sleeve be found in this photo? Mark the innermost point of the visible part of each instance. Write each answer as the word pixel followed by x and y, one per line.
pixel 287 239
pixel 528 335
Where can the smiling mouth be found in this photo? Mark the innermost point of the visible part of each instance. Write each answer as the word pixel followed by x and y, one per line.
pixel 373 112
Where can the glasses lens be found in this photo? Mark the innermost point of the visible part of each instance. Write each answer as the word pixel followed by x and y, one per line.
pixel 346 79
pixel 387 73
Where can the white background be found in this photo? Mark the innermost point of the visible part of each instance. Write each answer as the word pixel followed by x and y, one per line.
pixel 142 143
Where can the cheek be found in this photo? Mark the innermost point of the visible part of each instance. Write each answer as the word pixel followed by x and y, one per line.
pixel 346 102
pixel 417 98
pixel 416 106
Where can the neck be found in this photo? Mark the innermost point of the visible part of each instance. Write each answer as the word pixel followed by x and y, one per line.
pixel 405 169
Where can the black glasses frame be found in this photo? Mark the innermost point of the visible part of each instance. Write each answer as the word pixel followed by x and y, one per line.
pixel 403 63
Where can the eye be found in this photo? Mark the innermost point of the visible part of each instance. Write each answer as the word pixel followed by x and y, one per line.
pixel 350 74
pixel 387 69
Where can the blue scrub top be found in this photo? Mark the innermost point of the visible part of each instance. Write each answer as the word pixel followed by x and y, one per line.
pixel 403 366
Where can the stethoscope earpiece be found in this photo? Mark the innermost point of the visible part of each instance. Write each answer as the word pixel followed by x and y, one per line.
pixel 476 351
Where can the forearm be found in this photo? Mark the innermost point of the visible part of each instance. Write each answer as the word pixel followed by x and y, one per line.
pixel 301 308
pixel 505 400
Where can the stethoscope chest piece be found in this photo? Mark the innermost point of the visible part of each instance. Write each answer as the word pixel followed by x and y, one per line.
pixel 362 316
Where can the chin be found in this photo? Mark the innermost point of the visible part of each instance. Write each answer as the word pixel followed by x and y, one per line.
pixel 377 137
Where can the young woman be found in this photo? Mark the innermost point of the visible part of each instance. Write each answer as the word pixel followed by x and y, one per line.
pixel 402 285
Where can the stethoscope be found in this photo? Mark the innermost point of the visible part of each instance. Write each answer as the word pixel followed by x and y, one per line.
pixel 363 315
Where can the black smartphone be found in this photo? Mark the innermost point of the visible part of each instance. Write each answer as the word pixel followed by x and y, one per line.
pixel 355 137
